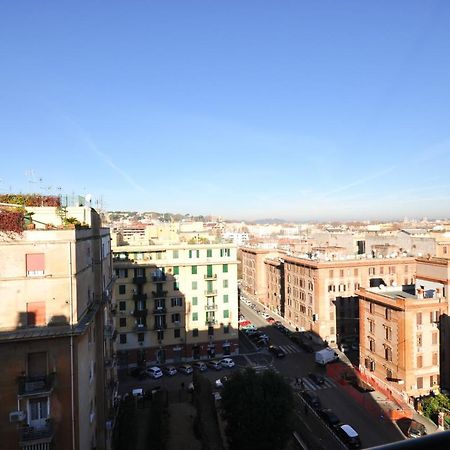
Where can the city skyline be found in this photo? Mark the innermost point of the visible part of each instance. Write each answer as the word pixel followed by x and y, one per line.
pixel 302 111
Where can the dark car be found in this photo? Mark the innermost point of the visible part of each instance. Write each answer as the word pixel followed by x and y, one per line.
pixel 311 399
pixel 139 373
pixel 416 429
pixel 277 351
pixel 316 378
pixel 329 417
pixel 349 436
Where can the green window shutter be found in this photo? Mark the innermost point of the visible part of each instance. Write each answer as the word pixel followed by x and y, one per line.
pixel 176 270
pixel 194 317
pixel 209 270
pixel 225 298
pixel 225 283
pixel 209 253
pixel 225 268
pixel 190 253
pixel 194 301
pixel 194 270
pixel 209 286
pixel 226 313
pixel 198 253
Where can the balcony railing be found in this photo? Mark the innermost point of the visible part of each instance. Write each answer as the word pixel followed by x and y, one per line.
pixel 39 385
pixel 39 435
pixel 210 322
pixel 140 327
pixel 140 312
pixel 140 296
pixel 159 294
pixel 211 277
pixel 160 326
pixel 211 307
pixel 159 279
pixel 211 293
pixel 159 310
pixel 140 279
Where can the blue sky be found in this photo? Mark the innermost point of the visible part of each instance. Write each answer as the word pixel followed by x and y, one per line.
pixel 308 110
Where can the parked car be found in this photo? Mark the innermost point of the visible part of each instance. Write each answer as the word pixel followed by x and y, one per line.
pixel 349 436
pixel 220 382
pixel 277 324
pixel 249 327
pixel 316 378
pixel 416 429
pixel 139 373
pixel 265 315
pixel 277 351
pixel 329 417
pixel 260 343
pixel 249 331
pixel 170 370
pixel 270 320
pixel 154 372
pixel 227 362
pixel 259 335
pixel 214 364
pixel 200 365
pixel 186 369
pixel 311 399
pixel 244 323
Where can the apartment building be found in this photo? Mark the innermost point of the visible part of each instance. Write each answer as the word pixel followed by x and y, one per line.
pixel 275 285
pixel 175 302
pixel 58 380
pixel 321 296
pixel 404 338
pixel 254 282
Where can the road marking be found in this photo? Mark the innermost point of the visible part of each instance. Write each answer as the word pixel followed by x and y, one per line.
pixel 311 386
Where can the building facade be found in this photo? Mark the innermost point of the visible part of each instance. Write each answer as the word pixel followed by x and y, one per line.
pixel 175 302
pixel 58 381
pixel 275 285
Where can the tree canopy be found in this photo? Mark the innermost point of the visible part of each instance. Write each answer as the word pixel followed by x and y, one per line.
pixel 258 409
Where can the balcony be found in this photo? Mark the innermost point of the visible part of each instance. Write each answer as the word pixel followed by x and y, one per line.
pixel 159 294
pixel 140 312
pixel 210 322
pixel 34 386
pixel 159 279
pixel 140 296
pixel 36 435
pixel 210 277
pixel 140 328
pixel 211 307
pixel 140 279
pixel 160 326
pixel 159 310
pixel 211 293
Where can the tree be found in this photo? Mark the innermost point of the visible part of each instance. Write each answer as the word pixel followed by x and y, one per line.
pixel 258 409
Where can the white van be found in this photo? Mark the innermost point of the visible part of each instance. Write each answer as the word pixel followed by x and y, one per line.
pixel 325 356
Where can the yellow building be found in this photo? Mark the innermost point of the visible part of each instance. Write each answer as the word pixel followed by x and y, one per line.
pixel 175 302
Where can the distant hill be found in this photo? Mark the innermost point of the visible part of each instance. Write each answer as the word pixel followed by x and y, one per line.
pixel 268 221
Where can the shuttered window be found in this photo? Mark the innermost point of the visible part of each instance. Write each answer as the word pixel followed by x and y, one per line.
pixel 35 263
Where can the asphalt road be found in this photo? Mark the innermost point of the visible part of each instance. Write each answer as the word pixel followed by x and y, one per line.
pixel 298 363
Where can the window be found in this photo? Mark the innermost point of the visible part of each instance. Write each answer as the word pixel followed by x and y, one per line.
pixel 435 361
pixel 224 252
pixel 341 273
pixel 210 331
pixel 177 301
pixel 141 337
pixel 194 270
pixel 371 308
pixel 388 353
pixel 176 270
pixel 195 332
pixel 194 301
pixel 176 317
pixel 123 338
pixel 388 333
pixel 194 285
pixel 330 274
pixel 194 316
pixel 226 329
pixel 355 272
pixel 209 253
pixel 160 335
pixel 175 254
pixel 419 382
pixel 36 314
pixel 434 338
pixel 419 361
pixel 225 298
pixel 38 409
pixel 176 333
pixel 226 314
pixel 419 318
pixel 35 264
pixel 225 268
pixel 371 345
pixel 122 306
pixel 388 314
pixel 176 286
pixel 225 283
pixel 419 340
pixel 122 289
pixel 122 322
pixel 122 273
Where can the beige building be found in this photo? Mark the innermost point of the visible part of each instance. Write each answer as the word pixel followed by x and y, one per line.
pixel 275 285
pixel 175 302
pixel 321 296
pixel 58 380
pixel 404 344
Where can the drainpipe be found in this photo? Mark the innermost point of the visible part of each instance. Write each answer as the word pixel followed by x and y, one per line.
pixel 72 388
